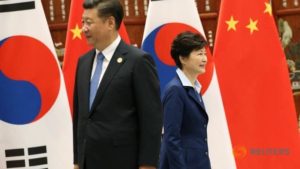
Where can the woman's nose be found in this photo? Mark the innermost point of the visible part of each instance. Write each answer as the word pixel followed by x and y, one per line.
pixel 204 58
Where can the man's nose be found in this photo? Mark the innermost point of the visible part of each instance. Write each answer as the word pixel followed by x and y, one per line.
pixel 84 28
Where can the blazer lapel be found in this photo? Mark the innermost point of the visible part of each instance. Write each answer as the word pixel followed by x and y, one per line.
pixel 115 64
pixel 192 94
pixel 190 91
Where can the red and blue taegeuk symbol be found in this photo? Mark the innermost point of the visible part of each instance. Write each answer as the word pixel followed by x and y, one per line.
pixel 29 80
pixel 158 44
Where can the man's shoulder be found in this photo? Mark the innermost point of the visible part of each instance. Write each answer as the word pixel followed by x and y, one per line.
pixel 88 53
pixel 133 50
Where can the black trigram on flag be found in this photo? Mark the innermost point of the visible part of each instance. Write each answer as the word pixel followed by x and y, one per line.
pixel 10 7
pixel 30 157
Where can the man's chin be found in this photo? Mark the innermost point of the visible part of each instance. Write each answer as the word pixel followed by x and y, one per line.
pixel 90 43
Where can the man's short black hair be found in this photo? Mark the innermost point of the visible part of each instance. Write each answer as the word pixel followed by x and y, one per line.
pixel 184 43
pixel 107 8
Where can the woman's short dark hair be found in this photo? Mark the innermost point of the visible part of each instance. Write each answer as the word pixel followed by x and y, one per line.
pixel 107 8
pixel 184 43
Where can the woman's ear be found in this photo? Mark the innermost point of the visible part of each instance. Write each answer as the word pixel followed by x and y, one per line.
pixel 182 60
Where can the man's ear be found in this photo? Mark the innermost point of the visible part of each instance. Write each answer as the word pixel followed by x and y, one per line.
pixel 111 21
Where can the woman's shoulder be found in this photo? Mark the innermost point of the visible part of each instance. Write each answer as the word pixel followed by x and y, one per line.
pixel 174 84
pixel 174 87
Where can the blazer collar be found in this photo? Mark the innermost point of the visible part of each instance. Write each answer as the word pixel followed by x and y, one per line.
pixel 191 93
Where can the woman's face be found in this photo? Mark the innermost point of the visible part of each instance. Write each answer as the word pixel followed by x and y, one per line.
pixel 195 63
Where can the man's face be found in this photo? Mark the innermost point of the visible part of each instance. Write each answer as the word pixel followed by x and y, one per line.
pixel 96 29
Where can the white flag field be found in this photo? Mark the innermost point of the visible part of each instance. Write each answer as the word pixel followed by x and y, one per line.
pixel 166 19
pixel 35 118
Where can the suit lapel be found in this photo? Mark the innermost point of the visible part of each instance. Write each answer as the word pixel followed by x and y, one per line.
pixel 115 64
pixel 87 65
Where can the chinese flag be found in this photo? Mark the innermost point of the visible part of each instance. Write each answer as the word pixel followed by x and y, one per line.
pixel 255 87
pixel 76 45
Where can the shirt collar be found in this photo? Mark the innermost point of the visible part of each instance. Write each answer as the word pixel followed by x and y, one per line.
pixel 185 81
pixel 110 50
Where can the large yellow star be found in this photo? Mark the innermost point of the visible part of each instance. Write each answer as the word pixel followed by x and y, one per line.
pixel 252 26
pixel 231 24
pixel 268 8
pixel 76 32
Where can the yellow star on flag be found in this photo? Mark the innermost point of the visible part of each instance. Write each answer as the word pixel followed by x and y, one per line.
pixel 268 8
pixel 76 32
pixel 252 26
pixel 231 24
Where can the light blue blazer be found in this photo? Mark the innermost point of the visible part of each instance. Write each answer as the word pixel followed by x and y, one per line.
pixel 184 143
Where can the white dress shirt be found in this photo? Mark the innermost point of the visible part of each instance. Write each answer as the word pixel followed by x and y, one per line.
pixel 108 52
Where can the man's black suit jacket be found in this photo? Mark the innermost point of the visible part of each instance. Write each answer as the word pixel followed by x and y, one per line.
pixel 123 128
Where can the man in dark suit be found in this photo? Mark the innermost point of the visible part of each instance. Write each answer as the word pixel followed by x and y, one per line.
pixel 117 109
